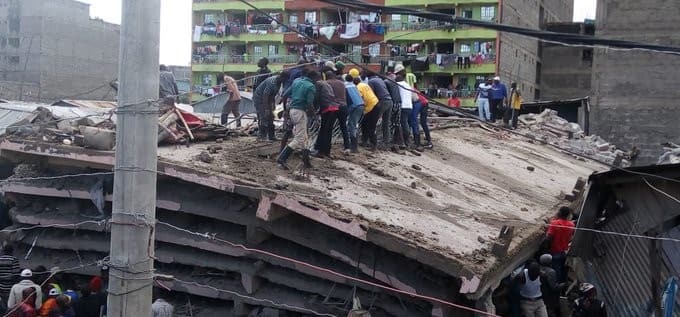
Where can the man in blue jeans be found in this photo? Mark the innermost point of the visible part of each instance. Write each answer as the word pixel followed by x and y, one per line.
pixel 380 89
pixel 420 110
pixel 355 109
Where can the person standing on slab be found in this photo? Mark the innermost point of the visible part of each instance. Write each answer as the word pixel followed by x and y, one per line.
pixel 302 94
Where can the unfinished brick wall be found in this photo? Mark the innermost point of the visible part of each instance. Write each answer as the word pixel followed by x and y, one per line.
pixel 635 95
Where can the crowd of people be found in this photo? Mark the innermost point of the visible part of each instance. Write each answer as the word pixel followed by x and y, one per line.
pixel 363 104
pixel 541 283
pixel 494 102
pixel 50 293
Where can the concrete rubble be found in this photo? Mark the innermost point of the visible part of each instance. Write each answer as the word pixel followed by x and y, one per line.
pixel 550 128
pixel 671 154
pixel 95 127
pixel 398 220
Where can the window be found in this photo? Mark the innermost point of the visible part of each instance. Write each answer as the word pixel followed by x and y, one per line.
pixel 356 49
pixel 465 48
pixel 14 60
pixel 588 55
pixel 488 13
pixel 206 80
pixel 210 18
pixel 310 17
pixel 293 20
pixel 396 17
pixel 374 49
pixel 467 13
pixel 273 50
pixel 257 50
pixel 13 42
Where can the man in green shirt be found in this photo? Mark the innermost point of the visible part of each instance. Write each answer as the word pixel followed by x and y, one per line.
pixel 302 94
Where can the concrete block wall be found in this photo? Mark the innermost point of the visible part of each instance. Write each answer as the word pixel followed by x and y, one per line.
pixel 635 99
pixel 565 74
pixel 69 54
pixel 519 54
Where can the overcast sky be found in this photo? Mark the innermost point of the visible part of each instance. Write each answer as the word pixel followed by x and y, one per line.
pixel 176 24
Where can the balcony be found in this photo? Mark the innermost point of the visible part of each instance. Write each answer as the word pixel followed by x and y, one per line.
pixel 364 37
pixel 427 31
pixel 234 5
pixel 406 3
pixel 311 5
pixel 241 33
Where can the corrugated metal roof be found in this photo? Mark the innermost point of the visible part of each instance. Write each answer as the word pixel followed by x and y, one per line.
pixel 622 271
pixel 13 112
pixel 86 103
pixel 214 104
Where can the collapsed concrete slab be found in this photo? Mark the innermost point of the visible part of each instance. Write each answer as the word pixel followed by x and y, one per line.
pixel 450 223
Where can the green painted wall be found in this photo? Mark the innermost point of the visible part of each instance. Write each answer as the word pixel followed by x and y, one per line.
pixel 233 68
pixel 474 69
pixel 440 35
pixel 244 37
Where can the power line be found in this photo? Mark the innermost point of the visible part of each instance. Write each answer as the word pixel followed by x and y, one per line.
pixel 261 300
pixel 568 38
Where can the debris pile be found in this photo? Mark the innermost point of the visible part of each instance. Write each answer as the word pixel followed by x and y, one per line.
pixel 671 154
pixel 95 127
pixel 550 128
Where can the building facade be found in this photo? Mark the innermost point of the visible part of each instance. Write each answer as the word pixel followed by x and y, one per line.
pixel 634 95
pixel 567 71
pixel 446 58
pixel 52 49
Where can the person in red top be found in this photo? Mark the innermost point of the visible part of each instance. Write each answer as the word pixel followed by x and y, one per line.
pixel 559 234
pixel 454 102
pixel 26 307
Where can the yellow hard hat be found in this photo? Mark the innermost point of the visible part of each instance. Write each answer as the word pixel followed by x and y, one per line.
pixel 354 72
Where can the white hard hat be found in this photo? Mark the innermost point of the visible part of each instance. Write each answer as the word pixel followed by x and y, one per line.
pixel 53 292
pixel 497 78
pixel 26 273
pixel 545 259
pixel 586 288
pixel 398 68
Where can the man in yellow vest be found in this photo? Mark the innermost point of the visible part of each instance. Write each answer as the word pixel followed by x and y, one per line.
pixel 512 112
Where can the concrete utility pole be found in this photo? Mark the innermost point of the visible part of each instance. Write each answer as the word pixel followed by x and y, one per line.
pixel 134 192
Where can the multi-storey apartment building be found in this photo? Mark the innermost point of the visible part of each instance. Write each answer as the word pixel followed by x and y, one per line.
pixel 230 37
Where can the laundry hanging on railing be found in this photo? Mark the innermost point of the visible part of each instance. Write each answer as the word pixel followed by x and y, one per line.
pixel 352 30
pixel 327 31
pixel 197 33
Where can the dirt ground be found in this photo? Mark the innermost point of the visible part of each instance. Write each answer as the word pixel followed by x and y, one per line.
pixel 453 199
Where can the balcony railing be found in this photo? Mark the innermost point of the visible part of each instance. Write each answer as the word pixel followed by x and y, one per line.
pixel 218 59
pixel 225 30
pixel 237 29
pixel 445 60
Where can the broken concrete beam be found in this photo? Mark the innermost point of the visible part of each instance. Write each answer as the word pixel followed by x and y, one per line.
pixel 580 183
pixel 268 211
pixel 602 147
pixel 256 235
pixel 500 248
pixel 100 139
pixel 240 309
pixel 251 282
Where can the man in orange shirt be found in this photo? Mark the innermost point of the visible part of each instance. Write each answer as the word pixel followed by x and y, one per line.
pixel 559 234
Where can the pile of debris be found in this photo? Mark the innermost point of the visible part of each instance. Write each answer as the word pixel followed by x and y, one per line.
pixel 95 127
pixel 550 128
pixel 671 154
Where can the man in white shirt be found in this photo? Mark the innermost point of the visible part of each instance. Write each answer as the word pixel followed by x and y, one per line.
pixel 406 106
pixel 482 100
